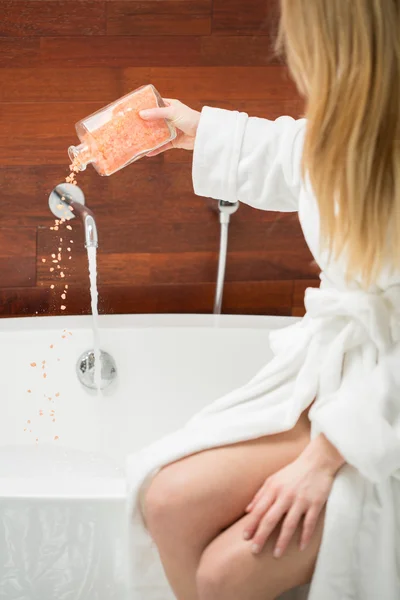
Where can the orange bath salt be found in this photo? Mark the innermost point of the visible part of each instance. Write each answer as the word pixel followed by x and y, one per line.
pixel 69 257
pixel 62 274
pixel 58 393
pixel 58 267
pixel 56 437
pixel 63 307
pixel 25 429
pixel 44 375
pixel 54 420
pixel 43 362
pixel 29 391
pixel 53 256
pixel 63 296
pixel 51 269
pixel 33 364
pixel 52 287
pixel 51 345
pixel 28 422
pixel 125 136
pixel 63 337
pixel 69 227
pixel 66 286
pixel 43 260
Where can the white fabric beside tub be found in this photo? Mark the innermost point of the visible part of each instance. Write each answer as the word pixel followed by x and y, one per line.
pixel 345 353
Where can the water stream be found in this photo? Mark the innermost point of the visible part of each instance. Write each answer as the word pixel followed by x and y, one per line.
pixel 92 257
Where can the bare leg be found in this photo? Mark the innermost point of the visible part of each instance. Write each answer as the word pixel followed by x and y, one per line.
pixel 191 501
pixel 229 571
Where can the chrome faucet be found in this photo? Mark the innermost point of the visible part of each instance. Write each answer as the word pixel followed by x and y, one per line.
pixel 67 201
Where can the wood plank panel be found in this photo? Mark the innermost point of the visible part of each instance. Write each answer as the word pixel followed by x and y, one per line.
pixel 148 237
pixel 104 84
pixel 17 241
pixel 251 51
pixel 157 51
pixel 31 18
pixel 183 267
pixel 121 51
pixel 169 17
pixel 17 271
pixel 19 52
pixel 130 197
pixel 259 83
pixel 60 85
pixel 259 298
pixel 245 18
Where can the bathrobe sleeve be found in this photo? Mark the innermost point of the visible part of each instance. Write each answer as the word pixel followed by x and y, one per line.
pixel 362 422
pixel 256 161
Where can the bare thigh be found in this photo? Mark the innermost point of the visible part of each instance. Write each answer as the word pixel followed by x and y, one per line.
pixel 228 569
pixel 205 493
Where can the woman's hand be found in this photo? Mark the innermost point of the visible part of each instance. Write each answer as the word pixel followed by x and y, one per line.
pixel 185 119
pixel 299 490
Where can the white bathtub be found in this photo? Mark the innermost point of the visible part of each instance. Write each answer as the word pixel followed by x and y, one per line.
pixel 62 489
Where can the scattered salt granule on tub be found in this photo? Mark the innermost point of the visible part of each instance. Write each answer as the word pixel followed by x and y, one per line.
pixel 44 375
pixel 28 422
pixel 57 395
pixel 33 364
pixel 56 437
pixel 52 346
pixel 29 391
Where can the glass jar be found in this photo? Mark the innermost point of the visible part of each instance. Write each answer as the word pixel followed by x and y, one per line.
pixel 116 135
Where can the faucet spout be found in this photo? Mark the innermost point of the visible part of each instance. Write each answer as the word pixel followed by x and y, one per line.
pixel 67 201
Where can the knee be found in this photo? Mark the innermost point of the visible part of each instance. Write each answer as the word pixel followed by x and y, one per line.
pixel 164 500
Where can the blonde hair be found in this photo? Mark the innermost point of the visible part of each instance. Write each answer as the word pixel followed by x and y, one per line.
pixel 344 56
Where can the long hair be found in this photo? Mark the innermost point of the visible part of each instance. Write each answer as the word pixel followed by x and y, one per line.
pixel 344 56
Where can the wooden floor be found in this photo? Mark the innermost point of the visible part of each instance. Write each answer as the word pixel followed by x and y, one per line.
pixel 62 59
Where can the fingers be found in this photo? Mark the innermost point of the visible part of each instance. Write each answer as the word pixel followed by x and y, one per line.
pixel 152 114
pixel 261 506
pixel 310 523
pixel 267 525
pixel 288 529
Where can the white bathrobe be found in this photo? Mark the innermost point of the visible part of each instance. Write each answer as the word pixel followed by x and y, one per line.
pixel 345 353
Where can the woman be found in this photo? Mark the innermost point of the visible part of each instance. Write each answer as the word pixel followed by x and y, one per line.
pixel 236 501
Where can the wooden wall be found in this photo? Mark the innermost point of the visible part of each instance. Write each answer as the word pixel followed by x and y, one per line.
pixel 62 59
